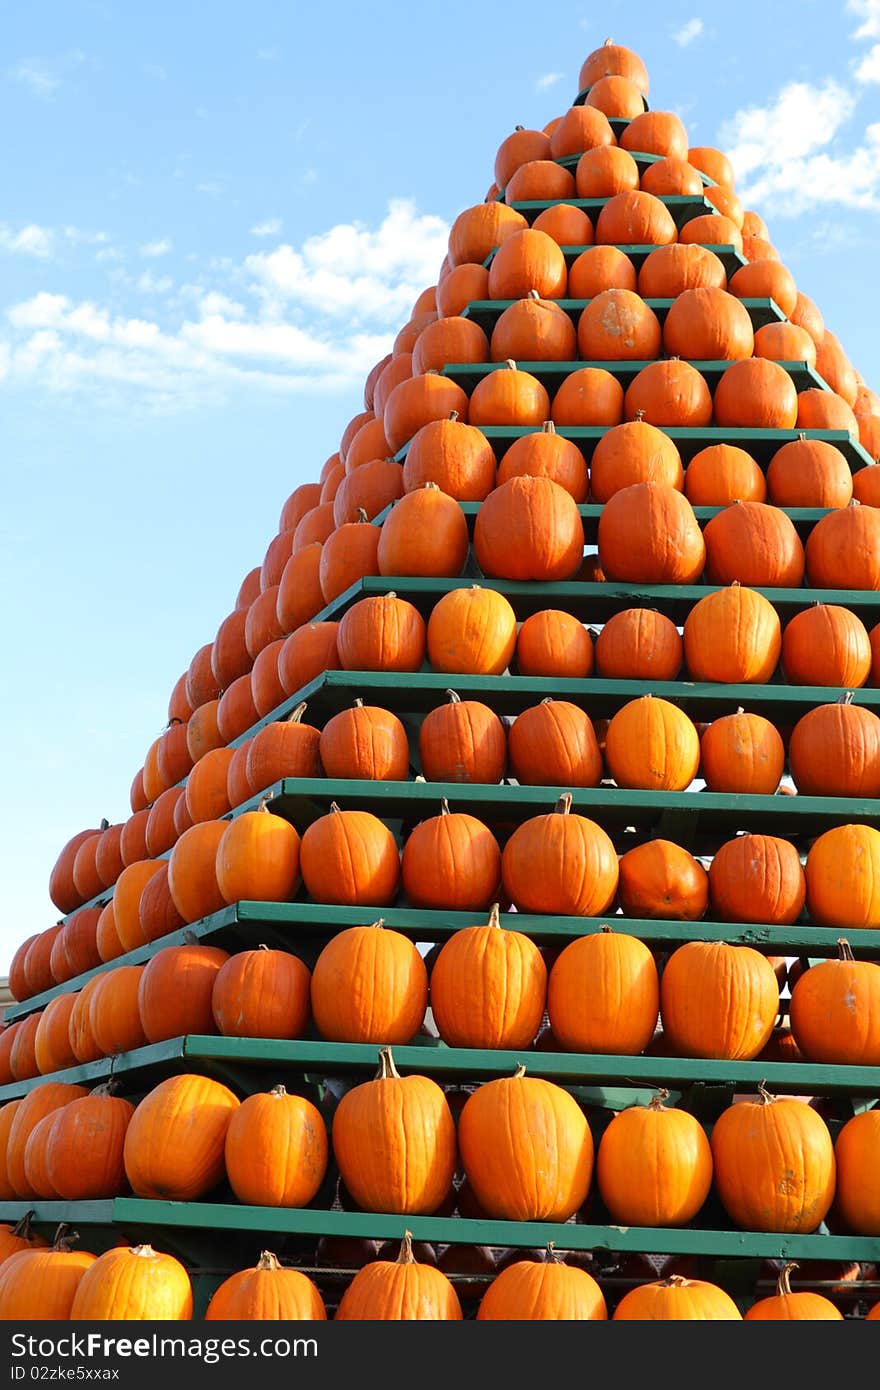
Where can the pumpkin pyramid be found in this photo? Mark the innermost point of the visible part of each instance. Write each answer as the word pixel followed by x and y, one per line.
pixel 496 928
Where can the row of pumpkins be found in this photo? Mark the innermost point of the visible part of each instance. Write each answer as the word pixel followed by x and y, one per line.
pixel 524 1143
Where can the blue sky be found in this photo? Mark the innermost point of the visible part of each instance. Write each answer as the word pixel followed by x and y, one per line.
pixel 215 217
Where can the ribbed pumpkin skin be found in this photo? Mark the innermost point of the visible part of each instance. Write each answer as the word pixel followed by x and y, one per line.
pixel 546 1291
pixel 14 1239
pixel 638 644
pixel 757 878
pixel 369 985
pixel 659 879
pixel 652 744
pixel 553 643
pixel 793 1307
pixel 718 1000
pixel 834 750
pixel 648 534
pixel 84 1151
pixel 382 633
pixel 35 1157
pixel 174 1143
pixel 261 994
pixel 192 871
pixel 9 1243
pixel 857 1153
pixel 266 1293
pixel 835 1012
pixel 113 1010
pixel 843 878
pixel 174 992
pixel 425 533
pixel 526 1149
pixel 276 1150
pixel 350 857
pixel 451 861
pixel 555 744
pixel 455 456
pixel 40 1285
pixel 603 995
pixel 631 453
pixel 365 742
pixel 560 863
pixel 80 1033
pixel 546 454
pixel 678 1300
pixel 843 550
pixel 529 529
pixel 287 748
pixel 756 544
pixel 708 325
pixel 41 1101
pixel 742 752
pixel 388 1291
pixel 721 474
pixel 774 1165
pixel 133 1285
pixel 394 1142
pixel 488 988
pixel 472 632
pixel 52 1048
pixel 654 1166
pixel 464 741
pixel 733 636
pixel 826 645
pixel 258 858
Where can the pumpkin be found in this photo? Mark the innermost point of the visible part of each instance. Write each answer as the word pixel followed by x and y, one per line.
pixel 546 454
pixel 638 644
pixel 856 1152
pixel 488 987
pixel 784 342
pixel 656 132
pixel 478 230
pixel 261 994
pixel 529 529
pixel 20 1237
pixel 160 833
pixel 539 180
pixel 834 750
pixel 230 657
pixel 630 453
pixel 365 742
pixel 178 705
pixel 714 229
pixel 677 1299
pixel 201 683
pixel 52 1049
pixel 266 1293
pixel 527 260
pixel 633 218
pixel 202 734
pixel 654 1166
pixel 755 544
pixel 819 409
pixel 732 636
pixel 402 1290
pixel 835 368
pixel 82 1040
pixel 157 913
pixel 462 286
pixel 809 473
pixel 85 872
pixel 672 176
pixel 36 1177
pixel 806 313
pixel 455 456
pixel 349 554
pixel 725 201
pixel 451 861
pixel 659 879
pixel 369 443
pixel 721 474
pixel 369 489
pixel 843 549
pixel 534 329
pixel 425 533
pixel 108 855
pixel 517 149
pixel 267 691
pixel 718 1000
pixel 648 534
pixel 394 1142
pixel 652 744
pixel 543 1290
pixel 113 1011
pixel 369 985
pixel 669 271
pixel 567 225
pixel 581 128
pixel 62 889
pixel 471 631
pixel 526 1149
pixel 618 326
pixel 17 980
pixel 258 858
pixel 669 392
pixel 22 1056
pixel 43 1100
pixel 350 857
pixel 588 396
pixel 17 1237
pixel 774 1164
pixel 84 1152
pixel 462 741
pixel 207 794
pixel 742 753
pixel 708 325
pixel 835 1010
pixel 238 788
pixel 866 484
pixel 299 595
pixel 613 58
pixel 40 1285
pixel 276 1150
pixel 137 796
pixel 560 863
pixel 508 396
pixel 756 394
pixel 75 948
pixel 553 643
pixel 36 967
pixel 285 748
pixel 382 633
pixel 131 1284
pixel 784 1305
pixel 600 268
pixel 409 334
pixel 126 902
pixel 453 339
pixel 174 1142
pixel 616 96
pixel 757 878
pixel 174 991
pixel 603 995
pixel 307 495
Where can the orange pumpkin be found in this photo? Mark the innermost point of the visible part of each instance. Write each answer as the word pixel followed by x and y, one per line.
pixel 471 631
pixel 659 879
pixel 652 744
pixel 648 534
pixel 455 456
pixel 732 636
pixel 654 1166
pixel 133 1284
pixel 463 741
pixel 718 1000
pixel 425 533
pixel 350 857
pixel 742 753
pixel 755 544
pixel 276 1150
pixel 369 985
pixel 638 644
pixel 757 878
pixel 560 863
pixel 603 994
pixel 175 1140
pixel 529 529
pixel 451 861
pixel 261 994
pixel 402 1290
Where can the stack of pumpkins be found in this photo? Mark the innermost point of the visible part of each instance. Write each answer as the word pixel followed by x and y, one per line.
pixel 642 323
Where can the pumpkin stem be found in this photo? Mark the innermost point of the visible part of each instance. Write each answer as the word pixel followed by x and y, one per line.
pixel 65 1237
pixel 846 698
pixel 510 364
pixel 386 1065
pixel 268 1261
pixel 296 716
pixel 189 937
pixel 656 1102
pixel 783 1283
pixel 362 516
pixel 766 1097
pixel 358 704
pixel 379 922
pixel 264 803
pixel 431 486
pixel 406 1256
pixel 22 1227
pixel 105 824
pixel 144 1252
pixel 454 697
pixel 520 1071
pixel 673 1281
pixel 563 805
pixel 640 415
pixel 107 1088
pixel 278 1090
pixel 548 427
pixel 533 295
pixel 262 946
pixel 453 414
pixel 519 127
pixel 605 928
pixel 553 1255
pixel 335 808
pixel 844 950
pixel 391 594
pixel 494 916
pixel 444 807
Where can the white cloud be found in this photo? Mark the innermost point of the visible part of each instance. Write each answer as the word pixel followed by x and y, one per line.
pixel 547 80
pixel 151 284
pixel 267 55
pixel 689 31
pixel 153 249
pixel 27 241
pixel 80 237
pixel 869 13
pixel 868 68
pixel 35 75
pixel 271 227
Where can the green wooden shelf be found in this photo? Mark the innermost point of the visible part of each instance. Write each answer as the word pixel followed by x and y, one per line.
pixel 638 252
pixel 486 312
pixel 761 444
pixel 137 1214
pixel 552 374
pixel 641 157
pixel 803 518
pixel 244 1062
pixel 682 207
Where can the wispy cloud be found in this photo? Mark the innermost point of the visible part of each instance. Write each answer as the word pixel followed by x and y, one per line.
pixel 27 241
pixel 868 12
pixel 268 55
pixel 271 227
pixel 548 80
pixel 688 32
pixel 151 250
pixel 44 76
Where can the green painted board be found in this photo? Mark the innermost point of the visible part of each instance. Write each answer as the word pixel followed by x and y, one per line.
pixel 486 312
pixel 761 444
pixel 552 374
pixel 728 255
pixel 682 207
